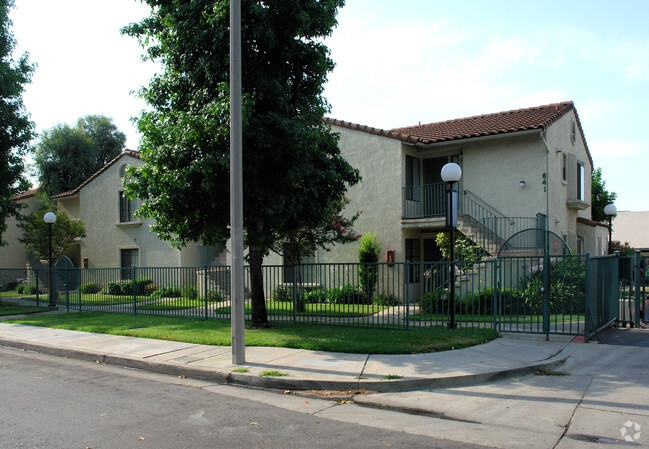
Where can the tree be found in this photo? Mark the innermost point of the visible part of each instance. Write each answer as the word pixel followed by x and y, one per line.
pixel 16 130
pixel 66 156
pixel 600 197
pixel 292 164
pixel 64 233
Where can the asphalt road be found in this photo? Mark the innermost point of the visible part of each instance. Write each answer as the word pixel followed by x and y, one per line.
pixel 51 402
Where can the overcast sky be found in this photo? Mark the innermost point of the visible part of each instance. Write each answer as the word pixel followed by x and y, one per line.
pixel 421 61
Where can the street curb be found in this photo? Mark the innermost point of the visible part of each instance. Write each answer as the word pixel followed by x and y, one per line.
pixel 287 383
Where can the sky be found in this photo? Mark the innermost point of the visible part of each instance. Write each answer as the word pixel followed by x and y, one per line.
pixel 419 61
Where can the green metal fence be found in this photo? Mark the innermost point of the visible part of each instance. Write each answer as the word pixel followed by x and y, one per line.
pixel 569 295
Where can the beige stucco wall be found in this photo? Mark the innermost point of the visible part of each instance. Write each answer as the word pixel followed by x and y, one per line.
pixel 14 254
pixel 493 168
pixel 562 219
pixel 106 236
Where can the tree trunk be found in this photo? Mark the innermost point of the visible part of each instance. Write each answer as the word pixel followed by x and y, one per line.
pixel 259 314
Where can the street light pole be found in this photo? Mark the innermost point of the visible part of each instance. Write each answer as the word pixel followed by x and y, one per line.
pixel 237 316
pixel 451 173
pixel 610 210
pixel 50 218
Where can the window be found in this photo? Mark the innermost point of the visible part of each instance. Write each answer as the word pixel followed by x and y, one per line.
pixel 126 208
pixel 581 245
pixel 122 170
pixel 128 259
pixel 564 167
pixel 580 181
pixel 412 255
pixel 573 132
pixel 412 178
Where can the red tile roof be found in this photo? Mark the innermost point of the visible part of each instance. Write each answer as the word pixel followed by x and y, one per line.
pixel 23 196
pixel 135 154
pixel 536 118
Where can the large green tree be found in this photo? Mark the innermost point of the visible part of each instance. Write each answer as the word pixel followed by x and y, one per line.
pixel 600 197
pixel 65 232
pixel 292 167
pixel 16 130
pixel 66 156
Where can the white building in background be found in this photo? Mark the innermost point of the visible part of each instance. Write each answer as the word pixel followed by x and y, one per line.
pixel 632 227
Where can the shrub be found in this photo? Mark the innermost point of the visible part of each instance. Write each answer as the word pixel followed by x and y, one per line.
pixel 30 290
pixel 140 285
pixel 149 289
pixel 90 288
pixel 20 288
pixel 567 287
pixel 214 296
pixel 316 296
pixel 282 294
pixel 346 295
pixel 114 288
pixel 190 292
pixel 482 302
pixel 368 256
pixel 387 300
pixel 434 302
pixel 166 292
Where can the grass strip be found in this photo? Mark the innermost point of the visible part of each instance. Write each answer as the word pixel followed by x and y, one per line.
pixel 317 310
pixel 10 309
pixel 317 337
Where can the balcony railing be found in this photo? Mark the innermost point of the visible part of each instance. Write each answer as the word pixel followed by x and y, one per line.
pixel 424 201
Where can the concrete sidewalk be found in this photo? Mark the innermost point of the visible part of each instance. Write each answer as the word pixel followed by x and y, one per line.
pixel 301 369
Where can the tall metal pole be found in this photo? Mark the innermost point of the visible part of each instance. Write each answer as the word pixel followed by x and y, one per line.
pixel 236 188
pixel 610 228
pixel 451 322
pixel 52 304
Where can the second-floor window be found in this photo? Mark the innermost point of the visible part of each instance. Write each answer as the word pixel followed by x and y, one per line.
pixel 581 182
pixel 126 208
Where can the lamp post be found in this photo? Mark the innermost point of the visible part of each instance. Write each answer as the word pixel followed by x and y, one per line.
pixel 50 219
pixel 451 173
pixel 609 211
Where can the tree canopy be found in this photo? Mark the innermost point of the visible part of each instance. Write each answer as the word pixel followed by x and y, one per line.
pixel 66 156
pixel 292 168
pixel 600 197
pixel 64 233
pixel 16 130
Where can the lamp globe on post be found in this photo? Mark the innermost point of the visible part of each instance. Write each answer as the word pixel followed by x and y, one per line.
pixel 609 211
pixel 50 218
pixel 451 173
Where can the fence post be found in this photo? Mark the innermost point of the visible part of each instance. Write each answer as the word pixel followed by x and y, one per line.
pixel 79 288
pixel 546 295
pixel 636 286
pixel 407 277
pixel 38 289
pixel 496 299
pixel 134 290
pixel 295 301
pixel 587 298
pixel 67 289
pixel 205 288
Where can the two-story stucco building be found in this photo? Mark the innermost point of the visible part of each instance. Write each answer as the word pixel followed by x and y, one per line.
pixel 116 237
pixel 527 169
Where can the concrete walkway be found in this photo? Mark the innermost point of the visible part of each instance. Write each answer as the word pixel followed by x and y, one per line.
pixel 511 356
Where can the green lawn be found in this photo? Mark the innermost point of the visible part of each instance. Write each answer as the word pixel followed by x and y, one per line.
pixel 86 299
pixel 317 310
pixel 11 309
pixel 301 336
